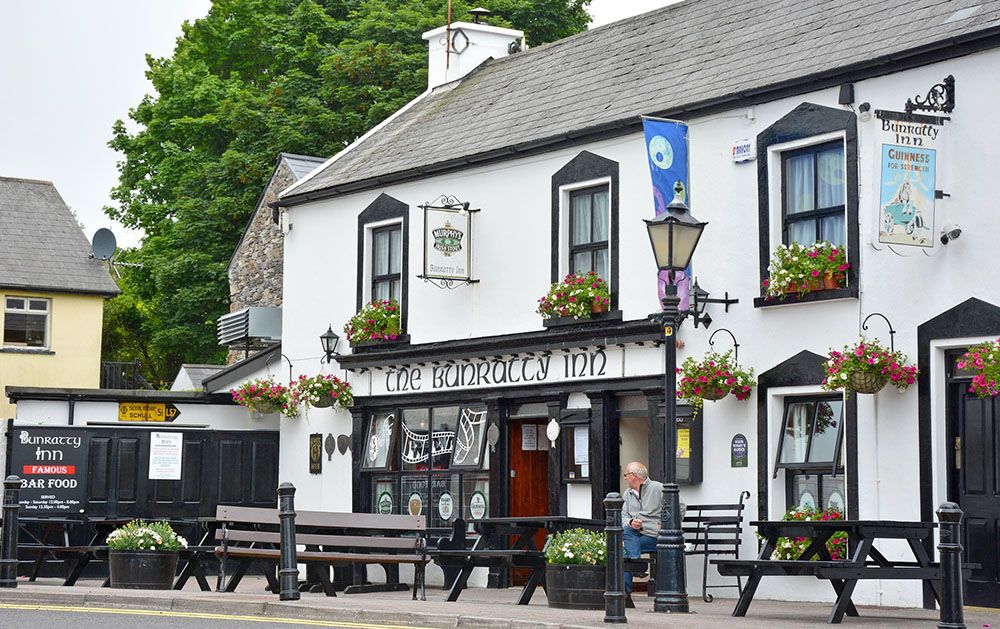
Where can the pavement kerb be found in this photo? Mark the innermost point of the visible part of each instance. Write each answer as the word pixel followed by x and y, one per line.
pixel 290 609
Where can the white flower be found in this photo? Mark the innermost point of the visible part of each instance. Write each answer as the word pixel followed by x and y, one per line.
pixel 569 555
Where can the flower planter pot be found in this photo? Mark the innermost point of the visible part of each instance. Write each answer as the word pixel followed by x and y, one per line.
pixel 575 586
pixel 861 382
pixel 598 308
pixel 325 401
pixel 142 570
pixel 830 282
pixel 265 407
pixel 714 394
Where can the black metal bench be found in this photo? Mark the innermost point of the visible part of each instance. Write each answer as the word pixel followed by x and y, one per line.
pixel 710 530
pixel 250 536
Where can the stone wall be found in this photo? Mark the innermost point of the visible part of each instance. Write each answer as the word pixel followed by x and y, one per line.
pixel 255 274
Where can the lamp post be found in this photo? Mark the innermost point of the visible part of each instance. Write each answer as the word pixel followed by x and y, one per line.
pixel 673 235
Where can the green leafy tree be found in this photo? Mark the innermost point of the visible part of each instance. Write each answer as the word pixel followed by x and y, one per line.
pixel 251 79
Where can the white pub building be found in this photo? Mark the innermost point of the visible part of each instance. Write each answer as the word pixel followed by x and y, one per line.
pixel 796 114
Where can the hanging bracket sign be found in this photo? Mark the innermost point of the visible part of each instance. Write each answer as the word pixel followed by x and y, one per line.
pixel 447 242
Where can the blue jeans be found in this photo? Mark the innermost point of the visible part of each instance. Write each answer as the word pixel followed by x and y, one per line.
pixel 635 544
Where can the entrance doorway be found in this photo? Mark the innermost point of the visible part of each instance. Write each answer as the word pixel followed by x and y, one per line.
pixel 529 485
pixel 973 462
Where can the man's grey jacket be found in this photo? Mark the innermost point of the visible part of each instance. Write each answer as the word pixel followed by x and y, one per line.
pixel 646 504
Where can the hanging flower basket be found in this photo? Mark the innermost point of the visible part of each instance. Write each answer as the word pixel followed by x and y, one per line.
pixel 712 378
pixel 321 391
pixel 325 400
pixel 264 396
pixel 861 382
pixel 866 368
pixel 266 407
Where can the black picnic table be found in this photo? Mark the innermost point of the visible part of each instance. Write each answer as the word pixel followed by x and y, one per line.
pixel 863 560
pixel 76 558
pixel 492 548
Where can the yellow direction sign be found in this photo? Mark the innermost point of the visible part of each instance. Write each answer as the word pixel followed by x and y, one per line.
pixel 147 412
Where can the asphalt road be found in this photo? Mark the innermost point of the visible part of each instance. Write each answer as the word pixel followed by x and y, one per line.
pixel 34 616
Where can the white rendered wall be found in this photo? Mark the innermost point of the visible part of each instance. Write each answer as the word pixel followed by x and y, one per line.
pixel 512 260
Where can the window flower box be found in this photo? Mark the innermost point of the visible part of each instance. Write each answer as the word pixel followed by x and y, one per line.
pixel 799 269
pixel 378 321
pixel 577 296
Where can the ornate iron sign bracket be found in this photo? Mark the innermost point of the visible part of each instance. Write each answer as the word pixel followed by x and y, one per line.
pixel 941 97
pixel 449 239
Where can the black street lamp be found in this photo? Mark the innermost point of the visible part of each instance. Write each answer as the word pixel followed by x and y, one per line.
pixel 674 236
pixel 329 340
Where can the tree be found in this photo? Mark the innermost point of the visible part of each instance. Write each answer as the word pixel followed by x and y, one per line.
pixel 251 79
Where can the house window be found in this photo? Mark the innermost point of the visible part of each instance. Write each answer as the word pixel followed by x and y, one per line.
pixel 811 453
pixel 428 462
pixel 25 322
pixel 588 228
pixel 387 265
pixel 813 194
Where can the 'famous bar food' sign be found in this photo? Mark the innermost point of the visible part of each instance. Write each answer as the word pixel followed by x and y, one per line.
pixel 52 464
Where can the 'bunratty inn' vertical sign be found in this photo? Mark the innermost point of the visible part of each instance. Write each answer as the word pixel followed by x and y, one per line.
pixel 909 148
pixel 447 242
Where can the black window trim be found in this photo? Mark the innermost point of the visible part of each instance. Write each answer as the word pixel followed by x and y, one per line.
pixel 818 214
pixel 807 121
pixel 586 168
pixel 835 465
pixel 380 212
pixel 387 277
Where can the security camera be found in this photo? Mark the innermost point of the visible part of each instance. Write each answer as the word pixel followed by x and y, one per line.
pixel 950 232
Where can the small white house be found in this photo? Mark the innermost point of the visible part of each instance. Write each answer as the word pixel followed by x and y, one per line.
pixel 793 111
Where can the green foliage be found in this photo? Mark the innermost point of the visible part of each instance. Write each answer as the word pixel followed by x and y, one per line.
pixel 252 79
pixel 575 296
pixel 321 389
pixel 577 546
pixel 378 320
pixel 141 535
pixel 265 395
pixel 791 548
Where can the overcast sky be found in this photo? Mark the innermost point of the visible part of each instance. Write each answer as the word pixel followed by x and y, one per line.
pixel 69 69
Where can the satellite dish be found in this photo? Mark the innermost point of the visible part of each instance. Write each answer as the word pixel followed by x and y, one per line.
pixel 104 244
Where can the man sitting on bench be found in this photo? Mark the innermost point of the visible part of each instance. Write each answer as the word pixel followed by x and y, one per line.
pixel 641 513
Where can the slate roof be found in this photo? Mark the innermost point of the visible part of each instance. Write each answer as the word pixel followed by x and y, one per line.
pixel 195 376
pixel 684 57
pixel 302 165
pixel 41 244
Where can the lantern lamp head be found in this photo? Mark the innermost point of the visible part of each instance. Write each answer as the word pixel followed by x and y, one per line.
pixel 674 234
pixel 329 340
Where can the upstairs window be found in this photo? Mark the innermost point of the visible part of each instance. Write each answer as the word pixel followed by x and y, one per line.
pixel 25 322
pixel 589 218
pixel 813 194
pixel 387 262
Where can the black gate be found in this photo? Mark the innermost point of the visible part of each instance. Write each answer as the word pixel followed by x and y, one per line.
pixel 974 482
pixel 217 467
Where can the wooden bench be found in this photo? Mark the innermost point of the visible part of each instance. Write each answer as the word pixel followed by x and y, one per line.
pixel 250 536
pixel 710 530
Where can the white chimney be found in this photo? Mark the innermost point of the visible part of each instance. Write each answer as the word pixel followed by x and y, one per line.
pixel 471 45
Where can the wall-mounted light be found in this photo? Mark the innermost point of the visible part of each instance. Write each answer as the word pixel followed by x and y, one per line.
pixel 552 431
pixel 329 340
pixel 865 112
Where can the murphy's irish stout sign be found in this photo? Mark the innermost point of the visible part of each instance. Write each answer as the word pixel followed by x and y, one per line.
pixel 52 464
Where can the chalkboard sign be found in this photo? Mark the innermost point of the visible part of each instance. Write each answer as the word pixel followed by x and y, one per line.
pixel 739 450
pixel 52 464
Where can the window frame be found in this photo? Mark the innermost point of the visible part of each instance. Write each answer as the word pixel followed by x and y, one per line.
pixel 815 215
pixel 591 246
pixel 834 465
pixel 376 279
pixel 383 211
pixel 27 311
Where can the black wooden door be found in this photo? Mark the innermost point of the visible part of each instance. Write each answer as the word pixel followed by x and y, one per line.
pixel 974 458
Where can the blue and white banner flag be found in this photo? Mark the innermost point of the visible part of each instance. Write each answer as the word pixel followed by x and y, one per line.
pixel 667 150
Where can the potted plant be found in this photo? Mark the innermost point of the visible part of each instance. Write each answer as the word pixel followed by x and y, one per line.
pixel 866 367
pixel 321 391
pixel 796 268
pixel 143 555
pixel 574 570
pixel 791 548
pixel 984 360
pixel 577 296
pixel 713 377
pixel 263 396
pixel 377 321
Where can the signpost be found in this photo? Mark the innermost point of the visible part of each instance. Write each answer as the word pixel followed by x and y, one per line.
pixel 147 412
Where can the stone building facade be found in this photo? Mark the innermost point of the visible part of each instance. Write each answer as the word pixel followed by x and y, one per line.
pixel 255 270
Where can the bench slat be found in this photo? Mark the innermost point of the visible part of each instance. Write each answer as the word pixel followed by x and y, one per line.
pixel 311 539
pixel 373 521
pixel 317 556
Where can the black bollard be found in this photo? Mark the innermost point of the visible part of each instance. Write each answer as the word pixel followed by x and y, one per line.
pixel 288 572
pixel 950 546
pixel 614 591
pixel 8 535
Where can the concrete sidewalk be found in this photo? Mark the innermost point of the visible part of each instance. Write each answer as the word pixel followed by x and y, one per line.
pixel 477 607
